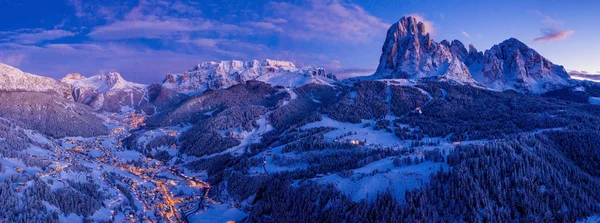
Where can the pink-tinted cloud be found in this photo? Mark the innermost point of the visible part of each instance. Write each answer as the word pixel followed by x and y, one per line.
pixel 553 35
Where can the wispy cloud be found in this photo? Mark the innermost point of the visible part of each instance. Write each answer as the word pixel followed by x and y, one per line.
pixel 549 20
pixel 138 63
pixel 31 36
pixel 141 29
pixel 553 35
pixel 465 34
pixel 157 19
pixel 13 59
pixel 343 73
pixel 552 32
pixel 188 33
pixel 266 26
pixel 327 20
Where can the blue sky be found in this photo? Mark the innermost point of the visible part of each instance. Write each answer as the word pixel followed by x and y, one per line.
pixel 144 40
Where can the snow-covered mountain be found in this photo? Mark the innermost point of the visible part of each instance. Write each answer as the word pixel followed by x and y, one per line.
pixel 219 75
pixel 13 79
pixel 513 65
pixel 107 92
pixel 409 52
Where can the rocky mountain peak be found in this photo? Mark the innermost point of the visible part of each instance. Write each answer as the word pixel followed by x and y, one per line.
pixel 107 92
pixel 72 77
pixel 409 52
pixel 408 26
pixel 114 78
pixel 513 65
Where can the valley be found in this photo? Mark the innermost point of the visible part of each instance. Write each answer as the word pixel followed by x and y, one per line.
pixel 159 191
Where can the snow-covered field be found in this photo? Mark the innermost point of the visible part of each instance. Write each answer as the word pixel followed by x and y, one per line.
pixel 219 213
pixel 362 133
pixel 382 175
pixel 594 100
pixel 292 79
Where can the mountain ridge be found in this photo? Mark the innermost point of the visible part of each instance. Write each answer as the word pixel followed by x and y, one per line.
pixel 224 74
pixel 408 52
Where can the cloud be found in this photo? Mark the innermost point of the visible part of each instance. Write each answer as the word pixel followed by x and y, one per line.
pixel 12 59
pixel 549 20
pixel 343 73
pixel 31 36
pixel 331 20
pixel 136 63
pixel 149 29
pixel 553 35
pixel 276 20
pixel 584 75
pixel 201 42
pixel 465 34
pixel 165 20
pixel 99 10
pixel 266 26
pixel 233 49
pixel 429 27
pixel 184 35
pixel 78 5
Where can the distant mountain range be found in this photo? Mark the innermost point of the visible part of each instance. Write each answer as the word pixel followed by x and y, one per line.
pixel 407 53
pixel 224 74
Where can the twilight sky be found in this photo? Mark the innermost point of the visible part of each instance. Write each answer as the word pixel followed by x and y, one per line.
pixel 146 39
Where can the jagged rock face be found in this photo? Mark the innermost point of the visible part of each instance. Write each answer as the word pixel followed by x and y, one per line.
pixel 409 52
pixel 470 57
pixel 224 74
pixel 513 65
pixel 13 79
pixel 106 92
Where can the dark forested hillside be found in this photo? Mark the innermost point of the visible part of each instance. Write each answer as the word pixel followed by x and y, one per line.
pixel 489 156
pixel 50 114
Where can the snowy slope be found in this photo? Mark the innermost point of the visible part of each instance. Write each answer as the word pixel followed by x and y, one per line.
pixel 107 92
pixel 13 79
pixel 513 65
pixel 101 83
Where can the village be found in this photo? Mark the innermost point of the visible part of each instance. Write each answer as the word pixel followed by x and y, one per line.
pixel 160 193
